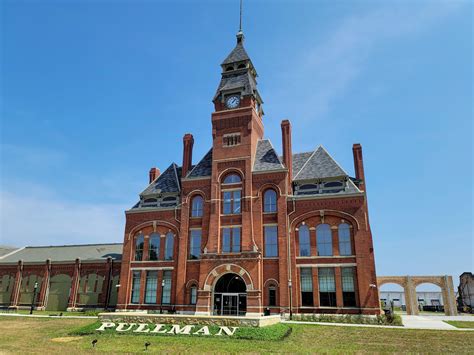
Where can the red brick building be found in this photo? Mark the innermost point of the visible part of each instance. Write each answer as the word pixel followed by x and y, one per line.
pixel 246 229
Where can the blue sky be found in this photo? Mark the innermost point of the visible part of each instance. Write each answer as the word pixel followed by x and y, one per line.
pixel 94 93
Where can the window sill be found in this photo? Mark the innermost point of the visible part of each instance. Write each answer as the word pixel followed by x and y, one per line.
pixel 326 257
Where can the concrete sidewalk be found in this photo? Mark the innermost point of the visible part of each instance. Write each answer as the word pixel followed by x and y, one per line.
pixel 409 322
pixel 46 316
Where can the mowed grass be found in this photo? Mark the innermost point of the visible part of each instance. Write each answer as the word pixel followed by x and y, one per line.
pixel 461 324
pixel 37 335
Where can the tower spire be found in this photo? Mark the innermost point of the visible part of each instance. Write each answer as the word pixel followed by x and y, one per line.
pixel 240 34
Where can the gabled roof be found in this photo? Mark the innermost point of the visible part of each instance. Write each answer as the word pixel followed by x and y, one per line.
pixel 266 158
pixel 167 182
pixel 238 54
pixel 319 165
pixel 66 253
pixel 203 168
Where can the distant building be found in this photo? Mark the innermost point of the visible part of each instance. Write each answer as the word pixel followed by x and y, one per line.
pixel 424 298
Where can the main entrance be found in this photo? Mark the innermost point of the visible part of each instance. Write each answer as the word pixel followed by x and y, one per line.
pixel 230 296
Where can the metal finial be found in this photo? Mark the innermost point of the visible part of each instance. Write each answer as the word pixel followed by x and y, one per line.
pixel 240 22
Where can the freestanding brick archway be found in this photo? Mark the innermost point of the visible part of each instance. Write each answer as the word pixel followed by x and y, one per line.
pixel 409 284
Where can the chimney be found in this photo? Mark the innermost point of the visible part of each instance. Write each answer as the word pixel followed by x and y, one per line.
pixel 188 142
pixel 359 165
pixel 286 145
pixel 153 175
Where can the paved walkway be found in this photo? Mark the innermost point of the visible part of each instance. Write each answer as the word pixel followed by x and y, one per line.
pixel 409 322
pixel 45 316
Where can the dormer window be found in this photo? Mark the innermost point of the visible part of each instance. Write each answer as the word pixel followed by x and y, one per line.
pixel 241 66
pixel 229 68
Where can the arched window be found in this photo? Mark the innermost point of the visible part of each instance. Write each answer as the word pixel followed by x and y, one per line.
pixel 154 248
pixel 229 68
pixel 139 245
pixel 241 66
pixel 232 179
pixel 193 295
pixel 270 201
pixel 324 240
pixel 305 245
pixel 169 246
pixel 345 247
pixel 196 206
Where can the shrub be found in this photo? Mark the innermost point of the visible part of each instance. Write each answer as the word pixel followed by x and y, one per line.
pixel 380 319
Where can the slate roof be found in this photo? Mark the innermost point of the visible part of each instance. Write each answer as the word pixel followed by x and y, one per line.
pixel 203 168
pixel 238 54
pixel 66 253
pixel 240 79
pixel 319 165
pixel 266 158
pixel 167 182
pixel 4 250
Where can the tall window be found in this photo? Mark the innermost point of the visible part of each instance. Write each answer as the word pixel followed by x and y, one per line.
pixel 232 179
pixel 348 290
pixel 306 287
pixel 193 295
pixel 270 201
pixel 195 244
pixel 231 240
pixel 136 287
pixel 197 206
pixel 154 248
pixel 151 286
pixel 305 245
pixel 272 296
pixel 231 203
pixel 324 240
pixel 139 244
pixel 169 246
pixel 271 240
pixel 344 239
pixel 166 297
pixel 327 287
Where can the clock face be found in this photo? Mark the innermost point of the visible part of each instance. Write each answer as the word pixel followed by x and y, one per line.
pixel 232 101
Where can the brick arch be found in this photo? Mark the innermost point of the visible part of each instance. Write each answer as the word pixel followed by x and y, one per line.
pixel 228 171
pixel 317 213
pixel 267 186
pixel 223 269
pixel 161 223
pixel 191 283
pixel 400 281
pixel 193 194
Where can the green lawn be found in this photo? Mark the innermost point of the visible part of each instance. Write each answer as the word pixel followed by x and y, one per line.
pixel 461 324
pixel 40 335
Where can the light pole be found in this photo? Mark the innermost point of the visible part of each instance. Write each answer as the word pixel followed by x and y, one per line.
pixel 34 297
pixel 161 302
pixel 290 285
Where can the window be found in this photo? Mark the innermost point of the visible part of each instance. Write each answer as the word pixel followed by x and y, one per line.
pixel 348 290
pixel 305 246
pixel 232 179
pixel 196 209
pixel 344 239
pixel 139 244
pixel 327 287
pixel 154 248
pixel 231 202
pixel 195 244
pixel 169 246
pixel 270 201
pixel 306 287
pixel 231 240
pixel 169 201
pixel 231 140
pixel 166 296
pixel 151 286
pixel 136 287
pixel 272 296
pixel 324 240
pixel 271 241
pixel 193 295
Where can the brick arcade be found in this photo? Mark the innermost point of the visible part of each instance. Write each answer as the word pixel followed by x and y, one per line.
pixel 245 229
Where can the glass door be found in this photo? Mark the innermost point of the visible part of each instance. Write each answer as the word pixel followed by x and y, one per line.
pixel 230 304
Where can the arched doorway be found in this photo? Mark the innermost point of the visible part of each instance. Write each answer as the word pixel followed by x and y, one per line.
pixel 230 296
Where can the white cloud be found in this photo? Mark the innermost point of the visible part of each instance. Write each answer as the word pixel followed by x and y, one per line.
pixel 330 67
pixel 37 217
